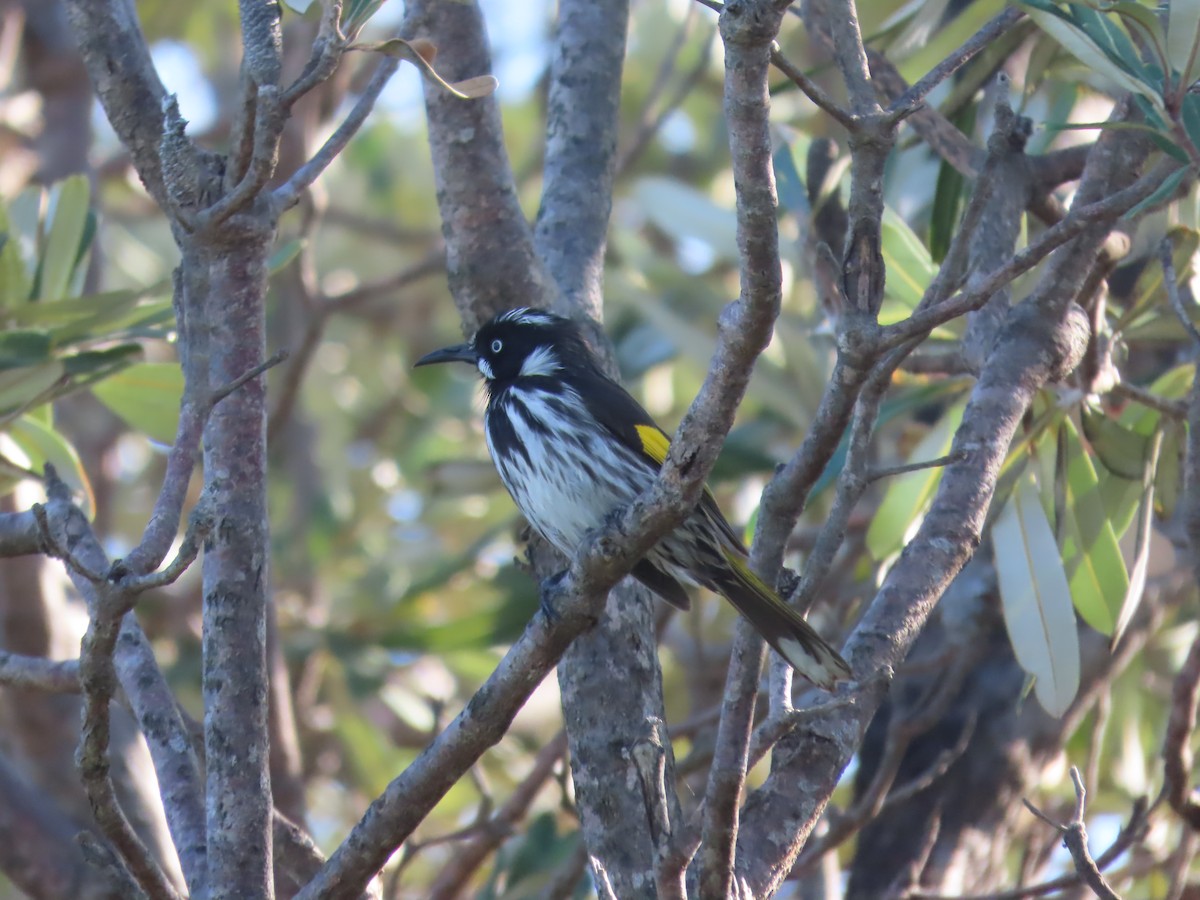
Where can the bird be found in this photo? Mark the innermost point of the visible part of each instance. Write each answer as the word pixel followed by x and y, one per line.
pixel 572 445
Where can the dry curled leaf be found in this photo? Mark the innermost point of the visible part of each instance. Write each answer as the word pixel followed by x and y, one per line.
pixel 421 53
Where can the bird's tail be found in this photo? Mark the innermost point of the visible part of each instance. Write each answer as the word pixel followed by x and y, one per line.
pixel 780 625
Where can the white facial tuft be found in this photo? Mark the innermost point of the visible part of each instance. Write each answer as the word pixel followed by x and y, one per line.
pixel 485 369
pixel 540 361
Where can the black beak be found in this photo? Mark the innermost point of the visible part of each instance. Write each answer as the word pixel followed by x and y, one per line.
pixel 457 353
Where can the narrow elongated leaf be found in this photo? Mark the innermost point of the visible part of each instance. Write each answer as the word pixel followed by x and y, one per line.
pixel 43 444
pixel 69 213
pixel 909 495
pixel 14 278
pixel 1141 552
pixel 146 396
pixel 1183 38
pixel 1121 449
pixel 23 347
pixel 21 389
pixel 1090 550
pixel 1077 42
pixel 1036 598
pixel 910 268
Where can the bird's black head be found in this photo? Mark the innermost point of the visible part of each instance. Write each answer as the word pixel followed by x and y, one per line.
pixel 520 343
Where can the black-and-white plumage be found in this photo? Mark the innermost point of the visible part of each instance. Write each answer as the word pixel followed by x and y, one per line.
pixel 572 445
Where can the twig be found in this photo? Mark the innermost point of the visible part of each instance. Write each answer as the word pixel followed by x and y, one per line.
pixel 108 600
pixel 1174 294
pixel 922 322
pixel 269 120
pixel 812 90
pixel 327 53
pixel 1174 409
pixel 287 195
pixel 892 471
pixel 222 392
pixel 957 59
pixel 1074 835
pixel 489 835
pixel 1177 750
pixel 54 548
pixel 108 865
pixel 901 733
pixel 747 31
pixel 649 127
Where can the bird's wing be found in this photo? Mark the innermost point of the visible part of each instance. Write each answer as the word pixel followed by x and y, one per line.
pixel 626 419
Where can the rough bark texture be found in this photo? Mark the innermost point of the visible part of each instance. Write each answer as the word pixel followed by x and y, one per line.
pixel 235 581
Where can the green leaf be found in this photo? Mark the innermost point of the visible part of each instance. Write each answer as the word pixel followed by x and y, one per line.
pixel 1169 186
pixel 1143 20
pixel 14 278
pixel 22 388
pixel 69 212
pixel 43 444
pixel 909 495
pixel 910 269
pixel 1149 291
pixel 1090 552
pixel 23 347
pixel 1080 45
pixel 1119 448
pixel 1141 551
pixel 146 396
pixel 284 255
pixel 1183 38
pixel 1036 598
pixel 90 362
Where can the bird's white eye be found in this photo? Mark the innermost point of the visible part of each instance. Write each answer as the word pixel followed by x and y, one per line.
pixel 497 345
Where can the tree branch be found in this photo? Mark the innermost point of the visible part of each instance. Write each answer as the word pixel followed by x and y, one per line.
pixel 118 62
pixel 1043 339
pixel 581 148
pixel 490 260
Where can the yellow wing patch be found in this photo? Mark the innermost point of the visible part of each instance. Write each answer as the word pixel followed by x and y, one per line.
pixel 654 443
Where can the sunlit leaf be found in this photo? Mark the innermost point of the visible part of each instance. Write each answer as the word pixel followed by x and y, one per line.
pixel 1036 598
pixel 22 387
pixel 421 54
pixel 146 396
pixel 43 444
pixel 910 269
pixel 68 220
pixel 14 278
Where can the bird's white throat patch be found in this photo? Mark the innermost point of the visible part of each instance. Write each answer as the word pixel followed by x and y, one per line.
pixel 540 361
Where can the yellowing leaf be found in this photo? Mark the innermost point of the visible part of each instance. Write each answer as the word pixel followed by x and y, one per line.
pixel 422 53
